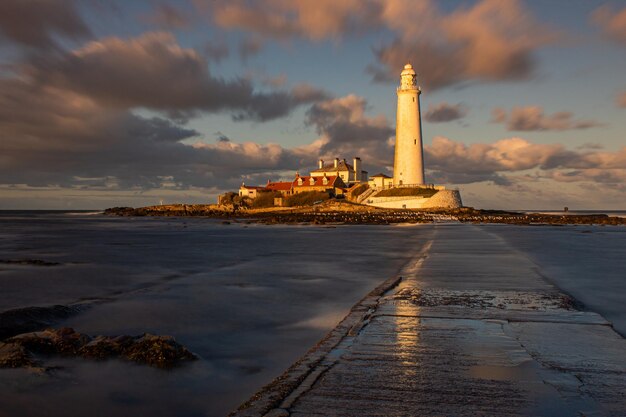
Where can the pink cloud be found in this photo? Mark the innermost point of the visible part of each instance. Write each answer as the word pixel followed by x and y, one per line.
pixel 283 19
pixel 620 99
pixel 444 112
pixel 533 118
pixel 612 23
pixel 456 162
pixel 153 71
pixel 36 23
pixel 492 40
pixel 346 130
pixel 168 16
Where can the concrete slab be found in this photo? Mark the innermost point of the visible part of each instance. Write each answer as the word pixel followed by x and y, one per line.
pixel 473 328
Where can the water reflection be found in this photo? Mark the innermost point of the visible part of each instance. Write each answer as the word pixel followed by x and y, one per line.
pixel 406 331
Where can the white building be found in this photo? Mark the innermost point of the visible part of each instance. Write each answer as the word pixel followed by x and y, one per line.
pixel 407 189
pixel 408 165
pixel 350 174
pixel 380 181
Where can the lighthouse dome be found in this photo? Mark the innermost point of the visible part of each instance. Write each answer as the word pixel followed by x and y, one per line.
pixel 408 70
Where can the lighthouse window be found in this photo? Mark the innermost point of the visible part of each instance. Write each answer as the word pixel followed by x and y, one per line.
pixel 413 99
pixel 414 141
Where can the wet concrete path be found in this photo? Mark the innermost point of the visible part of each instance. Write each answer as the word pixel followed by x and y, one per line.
pixel 472 328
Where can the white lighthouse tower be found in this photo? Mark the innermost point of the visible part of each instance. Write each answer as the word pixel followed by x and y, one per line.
pixel 408 166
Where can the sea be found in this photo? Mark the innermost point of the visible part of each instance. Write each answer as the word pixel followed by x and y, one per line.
pixel 248 299
pixel 613 213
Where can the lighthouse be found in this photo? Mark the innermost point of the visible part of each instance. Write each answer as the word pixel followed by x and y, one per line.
pixel 408 166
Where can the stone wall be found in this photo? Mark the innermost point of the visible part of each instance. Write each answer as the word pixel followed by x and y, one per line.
pixel 446 199
pixel 443 199
pixel 411 202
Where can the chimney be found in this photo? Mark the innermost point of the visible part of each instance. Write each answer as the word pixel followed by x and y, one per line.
pixel 336 162
pixel 320 164
pixel 357 168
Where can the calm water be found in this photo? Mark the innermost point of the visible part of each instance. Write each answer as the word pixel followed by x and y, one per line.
pixel 248 299
pixel 616 213
pixel 587 262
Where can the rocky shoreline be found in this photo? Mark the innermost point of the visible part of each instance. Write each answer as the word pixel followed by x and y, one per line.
pixel 27 339
pixel 21 351
pixel 335 212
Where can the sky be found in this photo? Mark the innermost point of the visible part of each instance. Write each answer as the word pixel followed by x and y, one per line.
pixel 117 103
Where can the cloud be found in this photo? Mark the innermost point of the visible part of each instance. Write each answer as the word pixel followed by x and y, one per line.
pixel 152 71
pixel 444 112
pixel 249 47
pixel 277 81
pixel 263 107
pixel 169 17
pixel 490 41
pixel 620 99
pixel 221 137
pixel 590 145
pixel 216 50
pixel 35 23
pixel 285 19
pixel 63 140
pixel 68 120
pixel 49 136
pixel 611 22
pixel 458 163
pixel 533 118
pixel 52 137
pixel 347 131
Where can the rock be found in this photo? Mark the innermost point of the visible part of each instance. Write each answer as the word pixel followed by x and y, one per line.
pixel 337 211
pixel 13 355
pixel 102 347
pixel 160 351
pixel 64 341
pixel 153 350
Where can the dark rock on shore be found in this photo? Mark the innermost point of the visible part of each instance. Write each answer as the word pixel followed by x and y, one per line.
pixel 341 212
pixel 172 210
pixel 13 355
pixel 153 350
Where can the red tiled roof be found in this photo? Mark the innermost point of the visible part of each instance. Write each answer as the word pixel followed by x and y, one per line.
pixel 319 181
pixel 278 186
